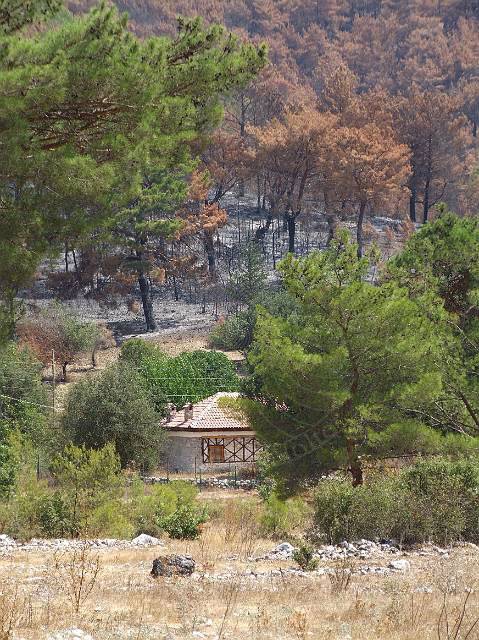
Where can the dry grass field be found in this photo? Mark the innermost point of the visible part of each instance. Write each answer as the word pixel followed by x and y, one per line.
pixel 109 594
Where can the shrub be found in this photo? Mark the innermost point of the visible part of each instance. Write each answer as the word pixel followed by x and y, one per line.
pixel 189 377
pixel 236 332
pixel 53 515
pixel 433 500
pixel 56 328
pixel 303 556
pixel 412 437
pixel 87 479
pixel 150 510
pixel 184 523
pixel 8 469
pixel 136 351
pixel 281 517
pixel 116 406
pixel 23 399
pixel 109 520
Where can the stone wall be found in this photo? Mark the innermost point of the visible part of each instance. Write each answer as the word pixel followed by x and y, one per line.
pixel 181 453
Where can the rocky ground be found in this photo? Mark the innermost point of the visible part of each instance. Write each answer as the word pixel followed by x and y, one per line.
pixel 239 588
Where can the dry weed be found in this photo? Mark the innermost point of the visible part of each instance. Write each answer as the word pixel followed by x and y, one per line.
pixel 341 575
pixel 11 609
pixel 76 572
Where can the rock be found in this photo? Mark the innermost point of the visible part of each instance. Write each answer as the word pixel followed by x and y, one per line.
pixel 144 540
pixel 6 541
pixel 345 632
pixel 400 565
pixel 174 565
pixel 284 550
pixel 70 634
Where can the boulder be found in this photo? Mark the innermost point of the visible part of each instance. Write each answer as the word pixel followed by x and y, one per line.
pixel 400 565
pixel 70 634
pixel 283 550
pixel 144 540
pixel 6 541
pixel 174 565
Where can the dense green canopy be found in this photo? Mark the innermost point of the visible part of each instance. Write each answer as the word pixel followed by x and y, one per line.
pixel 360 361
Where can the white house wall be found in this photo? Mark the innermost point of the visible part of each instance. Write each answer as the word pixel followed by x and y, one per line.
pixel 182 449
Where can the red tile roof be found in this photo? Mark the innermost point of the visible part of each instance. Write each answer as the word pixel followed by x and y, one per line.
pixel 207 416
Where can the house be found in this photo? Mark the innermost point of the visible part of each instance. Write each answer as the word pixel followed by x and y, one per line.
pixel 206 437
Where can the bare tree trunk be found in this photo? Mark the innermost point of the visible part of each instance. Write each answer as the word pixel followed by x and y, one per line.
pixel 412 204
pixel 355 467
pixel 262 230
pixel 291 222
pixel 332 220
pixel 426 200
pixel 258 194
pixel 210 253
pixel 359 230
pixel 146 296
pixel 427 184
pixel 75 260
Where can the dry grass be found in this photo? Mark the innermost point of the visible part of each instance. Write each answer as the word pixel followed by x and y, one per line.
pixel 435 600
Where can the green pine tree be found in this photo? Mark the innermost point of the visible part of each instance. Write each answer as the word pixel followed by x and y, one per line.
pixel 357 359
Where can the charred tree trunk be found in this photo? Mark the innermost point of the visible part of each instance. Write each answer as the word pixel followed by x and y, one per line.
pixel 426 200
pixel 331 219
pixel 291 223
pixel 412 204
pixel 359 230
pixel 355 467
pixel 210 253
pixel 258 194
pixel 146 296
pixel 427 183
pixel 261 231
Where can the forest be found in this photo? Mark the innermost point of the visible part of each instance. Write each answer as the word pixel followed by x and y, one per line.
pixel 261 217
pixel 128 140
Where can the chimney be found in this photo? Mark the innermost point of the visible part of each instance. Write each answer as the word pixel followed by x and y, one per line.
pixel 171 410
pixel 189 412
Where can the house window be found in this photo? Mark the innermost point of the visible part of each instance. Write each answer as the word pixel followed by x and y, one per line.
pixel 243 449
pixel 216 453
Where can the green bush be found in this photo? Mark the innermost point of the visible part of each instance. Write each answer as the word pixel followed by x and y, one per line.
pixel 151 509
pixel 53 515
pixel 109 520
pixel 23 398
pixel 236 332
pixel 91 497
pixel 303 556
pixel 184 523
pixel 136 351
pixel 281 517
pixel 189 377
pixel 433 500
pixel 87 479
pixel 116 406
pixel 413 437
